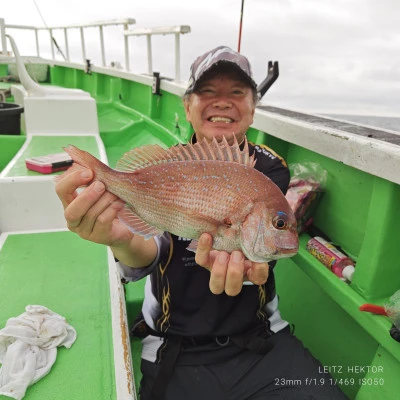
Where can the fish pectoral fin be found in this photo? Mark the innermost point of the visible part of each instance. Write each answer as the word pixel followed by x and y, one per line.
pixel 136 224
pixel 193 245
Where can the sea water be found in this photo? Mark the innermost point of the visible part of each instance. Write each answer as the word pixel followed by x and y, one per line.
pixel 391 123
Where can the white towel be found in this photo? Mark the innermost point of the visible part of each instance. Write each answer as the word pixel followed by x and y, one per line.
pixel 28 348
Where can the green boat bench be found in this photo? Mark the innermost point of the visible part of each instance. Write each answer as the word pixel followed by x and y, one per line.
pixel 76 279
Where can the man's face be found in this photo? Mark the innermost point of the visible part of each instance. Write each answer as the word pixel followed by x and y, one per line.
pixel 222 105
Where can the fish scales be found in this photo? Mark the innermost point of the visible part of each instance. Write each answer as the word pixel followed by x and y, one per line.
pixel 181 195
pixel 184 189
pixel 206 187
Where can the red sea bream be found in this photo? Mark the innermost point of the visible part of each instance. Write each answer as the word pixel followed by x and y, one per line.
pixel 203 187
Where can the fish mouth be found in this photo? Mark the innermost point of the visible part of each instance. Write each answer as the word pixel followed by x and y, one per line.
pixel 288 243
pixel 284 253
pixel 225 120
pixel 286 250
pixel 290 250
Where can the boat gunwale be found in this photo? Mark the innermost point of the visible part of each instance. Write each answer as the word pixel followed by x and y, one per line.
pixel 374 156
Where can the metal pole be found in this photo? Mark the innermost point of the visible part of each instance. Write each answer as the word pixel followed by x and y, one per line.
pixel 177 57
pixel 52 44
pixel 66 43
pixel 126 45
pixel 37 42
pixel 149 55
pixel 83 46
pixel 3 37
pixel 103 54
pixel 240 26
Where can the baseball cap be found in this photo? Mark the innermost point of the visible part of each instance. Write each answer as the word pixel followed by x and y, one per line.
pixel 211 59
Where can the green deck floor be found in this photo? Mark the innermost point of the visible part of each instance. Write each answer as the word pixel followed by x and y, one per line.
pixel 44 145
pixel 69 276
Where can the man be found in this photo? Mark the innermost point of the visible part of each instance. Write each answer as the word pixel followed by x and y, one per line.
pixel 211 326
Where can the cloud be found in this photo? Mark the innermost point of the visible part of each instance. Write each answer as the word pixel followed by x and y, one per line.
pixel 333 54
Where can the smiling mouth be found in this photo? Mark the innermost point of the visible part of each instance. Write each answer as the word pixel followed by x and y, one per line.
pixel 226 120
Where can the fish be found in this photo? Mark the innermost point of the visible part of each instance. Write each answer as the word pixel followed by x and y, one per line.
pixel 192 189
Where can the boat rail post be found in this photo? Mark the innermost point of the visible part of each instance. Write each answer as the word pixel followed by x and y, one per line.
pixel 37 42
pixel 66 43
pixel 182 29
pixel 103 55
pixel 3 36
pixel 164 30
pixel 177 57
pixel 126 46
pixel 52 44
pixel 83 45
pixel 149 55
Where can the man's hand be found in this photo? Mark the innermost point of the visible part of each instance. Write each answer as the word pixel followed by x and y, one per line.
pixel 228 271
pixel 91 214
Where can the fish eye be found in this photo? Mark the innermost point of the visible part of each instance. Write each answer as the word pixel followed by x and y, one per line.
pixel 280 221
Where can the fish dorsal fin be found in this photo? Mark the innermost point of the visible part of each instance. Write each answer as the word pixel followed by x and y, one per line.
pixel 142 157
pixel 146 156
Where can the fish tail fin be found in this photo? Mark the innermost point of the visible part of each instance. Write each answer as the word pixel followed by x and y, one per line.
pixel 85 159
pixel 74 167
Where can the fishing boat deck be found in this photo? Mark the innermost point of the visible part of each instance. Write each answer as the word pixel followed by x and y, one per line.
pixel 37 146
pixel 46 269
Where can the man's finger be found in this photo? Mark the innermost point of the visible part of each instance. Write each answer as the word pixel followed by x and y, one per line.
pixel 258 273
pixel 98 215
pixel 67 184
pixel 111 211
pixel 76 210
pixel 203 251
pixel 234 276
pixel 218 273
pixel 102 230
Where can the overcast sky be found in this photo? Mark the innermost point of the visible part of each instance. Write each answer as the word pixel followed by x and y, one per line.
pixel 337 56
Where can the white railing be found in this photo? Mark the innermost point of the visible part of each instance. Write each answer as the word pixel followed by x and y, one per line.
pixel 125 23
pixel 100 25
pixel 3 41
pixel 149 32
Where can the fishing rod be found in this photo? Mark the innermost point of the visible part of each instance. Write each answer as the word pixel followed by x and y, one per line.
pixel 240 26
pixel 52 37
pixel 273 67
